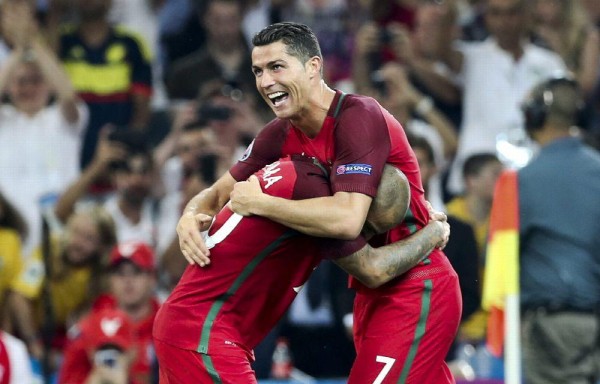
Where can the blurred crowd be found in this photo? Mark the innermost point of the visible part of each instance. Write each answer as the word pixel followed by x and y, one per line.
pixel 115 113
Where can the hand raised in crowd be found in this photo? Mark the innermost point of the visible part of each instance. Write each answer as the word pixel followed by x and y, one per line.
pixel 245 117
pixel 19 26
pixel 401 43
pixel 108 151
pixel 368 39
pixel 184 114
pixel 401 91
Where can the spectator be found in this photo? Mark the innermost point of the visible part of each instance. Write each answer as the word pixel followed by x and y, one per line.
pixel 225 55
pixel 592 9
pixel 417 51
pixel 419 116
pixel 171 260
pixel 130 165
pixel 193 161
pixel 109 68
pixel 60 281
pixel 101 351
pixel 314 326
pixel 13 230
pixel 461 249
pixel 233 118
pixel 141 17
pixel 332 22
pixel 132 282
pixel 190 137
pixel 40 127
pixel 480 172
pixel 471 19
pixel 496 74
pixel 564 27
pixel 14 362
pixel 559 220
pixel 180 30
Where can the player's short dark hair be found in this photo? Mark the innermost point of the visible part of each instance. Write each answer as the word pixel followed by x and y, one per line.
pixel 475 163
pixel 300 40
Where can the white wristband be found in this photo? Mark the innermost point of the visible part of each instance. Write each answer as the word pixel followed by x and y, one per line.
pixel 424 106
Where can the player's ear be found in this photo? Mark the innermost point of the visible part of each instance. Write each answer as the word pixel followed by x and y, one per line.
pixel 314 65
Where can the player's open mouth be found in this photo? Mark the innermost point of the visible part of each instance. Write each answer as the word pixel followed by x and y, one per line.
pixel 277 98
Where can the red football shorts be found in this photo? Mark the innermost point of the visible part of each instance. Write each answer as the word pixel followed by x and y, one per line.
pixel 182 366
pixel 404 336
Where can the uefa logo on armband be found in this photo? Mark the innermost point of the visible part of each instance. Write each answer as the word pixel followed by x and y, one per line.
pixel 348 169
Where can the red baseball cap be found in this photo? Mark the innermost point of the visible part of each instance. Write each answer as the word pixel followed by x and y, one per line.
pixel 137 253
pixel 107 327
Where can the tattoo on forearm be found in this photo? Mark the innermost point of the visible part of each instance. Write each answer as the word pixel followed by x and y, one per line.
pixel 397 258
pixel 377 266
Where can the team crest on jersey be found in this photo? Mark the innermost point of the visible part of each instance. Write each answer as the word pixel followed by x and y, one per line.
pixel 248 152
pixel 348 169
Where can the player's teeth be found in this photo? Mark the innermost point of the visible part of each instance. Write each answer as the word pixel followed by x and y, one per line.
pixel 275 95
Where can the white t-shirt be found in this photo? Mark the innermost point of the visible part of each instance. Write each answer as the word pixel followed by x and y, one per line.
pixel 429 133
pixel 39 158
pixel 144 231
pixel 18 359
pixel 494 86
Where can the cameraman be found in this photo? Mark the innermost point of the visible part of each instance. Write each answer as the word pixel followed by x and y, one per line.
pixel 100 351
pixel 412 46
pixel 114 342
pixel 122 156
pixel 234 117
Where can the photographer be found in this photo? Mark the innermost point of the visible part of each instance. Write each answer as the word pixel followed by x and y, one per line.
pixel 419 116
pixel 114 342
pixel 100 352
pixel 232 116
pixel 412 46
pixel 122 158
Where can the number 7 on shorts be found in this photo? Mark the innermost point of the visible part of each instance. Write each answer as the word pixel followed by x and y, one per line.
pixel 388 361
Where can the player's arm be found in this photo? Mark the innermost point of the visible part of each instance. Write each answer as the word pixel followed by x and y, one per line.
pixel 197 217
pixel 340 216
pixel 376 266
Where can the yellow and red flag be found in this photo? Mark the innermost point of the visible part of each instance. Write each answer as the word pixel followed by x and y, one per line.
pixel 501 274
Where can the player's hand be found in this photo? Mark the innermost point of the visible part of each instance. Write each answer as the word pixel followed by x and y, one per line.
pixel 191 242
pixel 435 215
pixel 442 221
pixel 244 196
pixel 444 233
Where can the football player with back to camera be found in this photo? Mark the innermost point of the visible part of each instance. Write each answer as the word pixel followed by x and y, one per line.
pixel 207 328
pixel 559 218
pixel 353 136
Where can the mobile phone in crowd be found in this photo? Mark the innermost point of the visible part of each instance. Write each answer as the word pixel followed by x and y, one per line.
pixel 107 357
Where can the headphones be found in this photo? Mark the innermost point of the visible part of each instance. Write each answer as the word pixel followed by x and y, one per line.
pixel 537 108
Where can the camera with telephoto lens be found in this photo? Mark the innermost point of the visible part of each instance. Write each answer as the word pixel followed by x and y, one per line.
pixel 107 357
pixel 210 111
pixel 378 82
pixel 385 37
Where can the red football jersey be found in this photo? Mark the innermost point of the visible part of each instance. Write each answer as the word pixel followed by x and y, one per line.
pixel 4 363
pixel 257 268
pixel 357 139
pixel 77 366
